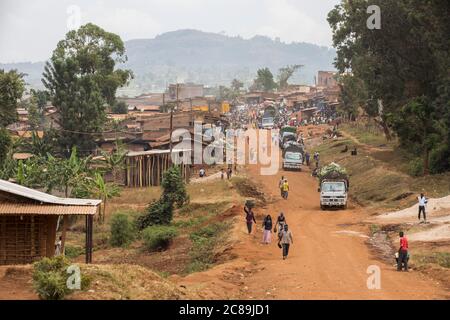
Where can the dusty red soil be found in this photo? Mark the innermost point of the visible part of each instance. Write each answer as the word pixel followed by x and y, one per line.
pixel 328 260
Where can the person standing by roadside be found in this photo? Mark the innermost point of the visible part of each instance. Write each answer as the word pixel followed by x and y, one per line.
pixel 286 240
pixel 222 174
pixel 402 253
pixel 267 229
pixel 307 156
pixel 249 218
pixel 422 203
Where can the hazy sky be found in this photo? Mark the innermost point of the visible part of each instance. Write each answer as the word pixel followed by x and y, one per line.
pixel 30 30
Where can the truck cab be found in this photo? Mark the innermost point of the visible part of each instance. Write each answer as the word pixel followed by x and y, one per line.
pixel 293 157
pixel 333 193
pixel 267 123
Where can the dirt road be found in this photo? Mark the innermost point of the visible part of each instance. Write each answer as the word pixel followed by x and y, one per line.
pixel 329 258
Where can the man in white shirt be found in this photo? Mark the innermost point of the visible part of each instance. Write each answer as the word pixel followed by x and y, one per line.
pixel 422 202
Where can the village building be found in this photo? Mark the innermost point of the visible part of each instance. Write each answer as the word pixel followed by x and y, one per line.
pixel 28 222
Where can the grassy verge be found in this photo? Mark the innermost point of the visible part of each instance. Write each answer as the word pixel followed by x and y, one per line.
pixel 204 243
pixel 439 258
pixel 377 178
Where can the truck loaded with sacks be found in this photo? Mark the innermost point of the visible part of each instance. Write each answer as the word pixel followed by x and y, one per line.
pixel 333 186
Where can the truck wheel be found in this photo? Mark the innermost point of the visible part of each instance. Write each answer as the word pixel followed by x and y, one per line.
pixel 345 207
pixel 322 207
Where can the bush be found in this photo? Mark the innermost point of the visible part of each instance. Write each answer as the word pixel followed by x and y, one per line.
pixel 50 278
pixel 122 231
pixel 174 187
pixel 73 252
pixel 204 242
pixel 158 237
pixel 415 167
pixel 159 212
pixel 440 159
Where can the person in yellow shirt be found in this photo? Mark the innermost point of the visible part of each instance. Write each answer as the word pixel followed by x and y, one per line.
pixel 285 188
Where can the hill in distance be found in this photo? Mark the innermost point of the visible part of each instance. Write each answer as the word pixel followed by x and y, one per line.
pixel 208 58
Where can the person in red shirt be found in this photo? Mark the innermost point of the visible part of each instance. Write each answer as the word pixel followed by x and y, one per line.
pixel 402 253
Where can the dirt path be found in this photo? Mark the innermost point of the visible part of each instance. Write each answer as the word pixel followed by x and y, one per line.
pixel 329 259
pixel 324 263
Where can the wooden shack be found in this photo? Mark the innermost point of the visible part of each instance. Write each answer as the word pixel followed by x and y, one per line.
pixel 28 221
pixel 146 168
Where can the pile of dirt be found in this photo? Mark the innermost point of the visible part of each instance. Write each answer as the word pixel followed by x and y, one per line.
pixel 249 189
pixel 124 282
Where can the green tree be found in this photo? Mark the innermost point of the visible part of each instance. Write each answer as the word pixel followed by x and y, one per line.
pixel 114 162
pixel 99 189
pixel 41 98
pixel 285 74
pixel 403 66
pixel 174 192
pixel 5 145
pixel 119 107
pixel 12 87
pixel 264 80
pixel 81 78
pixel 236 85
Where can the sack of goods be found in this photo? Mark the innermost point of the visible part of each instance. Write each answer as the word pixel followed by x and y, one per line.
pixel 332 171
pixel 250 203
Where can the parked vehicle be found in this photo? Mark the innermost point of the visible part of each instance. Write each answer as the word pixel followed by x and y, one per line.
pixel 333 186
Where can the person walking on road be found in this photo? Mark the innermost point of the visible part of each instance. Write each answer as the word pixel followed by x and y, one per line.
pixel 402 253
pixel 229 171
pixel 267 225
pixel 249 218
pixel 422 203
pixel 286 240
pixel 307 158
pixel 281 221
pixel 316 159
pixel 285 189
pixel 280 185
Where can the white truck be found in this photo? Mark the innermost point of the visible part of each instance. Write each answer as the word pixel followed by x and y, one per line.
pixel 267 123
pixel 333 186
pixel 293 157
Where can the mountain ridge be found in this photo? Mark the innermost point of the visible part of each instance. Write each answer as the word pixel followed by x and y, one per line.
pixel 190 55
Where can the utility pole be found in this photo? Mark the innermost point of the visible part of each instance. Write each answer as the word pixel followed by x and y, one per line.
pixel 171 123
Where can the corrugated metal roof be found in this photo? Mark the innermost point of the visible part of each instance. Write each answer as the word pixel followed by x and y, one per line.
pixel 22 191
pixel 150 152
pixel 24 209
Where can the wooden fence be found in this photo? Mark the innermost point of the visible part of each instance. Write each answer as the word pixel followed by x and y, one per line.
pixel 146 168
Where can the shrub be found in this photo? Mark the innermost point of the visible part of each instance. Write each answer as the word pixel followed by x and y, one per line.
pixel 204 242
pixel 158 237
pixel 122 231
pixel 73 252
pixel 159 212
pixel 174 187
pixel 440 159
pixel 415 167
pixel 50 278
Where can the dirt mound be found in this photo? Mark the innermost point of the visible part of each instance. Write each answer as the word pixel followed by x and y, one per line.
pixel 124 282
pixel 249 189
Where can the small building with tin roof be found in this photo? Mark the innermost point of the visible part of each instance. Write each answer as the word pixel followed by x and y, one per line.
pixel 28 222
